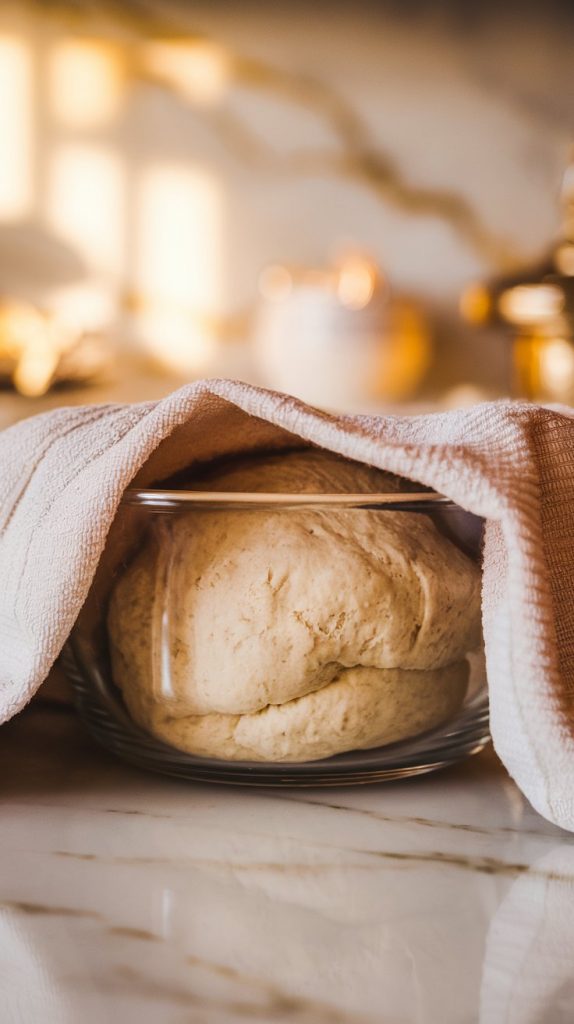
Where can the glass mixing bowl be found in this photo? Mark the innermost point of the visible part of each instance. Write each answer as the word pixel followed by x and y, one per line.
pixel 141 645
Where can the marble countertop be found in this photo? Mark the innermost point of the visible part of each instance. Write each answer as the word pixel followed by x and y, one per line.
pixel 131 897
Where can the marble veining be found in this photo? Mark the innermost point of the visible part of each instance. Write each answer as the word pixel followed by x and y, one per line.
pixel 487 865
pixel 124 895
pixel 42 908
pixel 424 822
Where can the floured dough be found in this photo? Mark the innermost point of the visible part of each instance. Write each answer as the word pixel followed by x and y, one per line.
pixel 293 634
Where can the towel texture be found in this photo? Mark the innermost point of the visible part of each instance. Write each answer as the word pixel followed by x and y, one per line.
pixel 63 474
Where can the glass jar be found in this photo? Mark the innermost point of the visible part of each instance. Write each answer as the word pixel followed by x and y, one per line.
pixel 313 639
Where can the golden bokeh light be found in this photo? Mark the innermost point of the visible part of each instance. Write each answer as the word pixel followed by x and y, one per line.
pixel 176 340
pixel 475 304
pixel 356 283
pixel 404 352
pixel 198 69
pixel 564 259
pixel 543 366
pixel 531 303
pixel 31 344
pixel 16 127
pixel 557 368
pixel 85 83
pixel 86 203
pixel 179 263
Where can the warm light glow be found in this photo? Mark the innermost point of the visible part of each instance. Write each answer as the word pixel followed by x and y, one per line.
pixel 564 259
pixel 85 306
pixel 530 303
pixel 179 263
pixel 475 304
pixel 15 128
pixel 463 396
pixel 176 340
pixel 85 83
pixel 199 69
pixel 33 374
pixel 557 367
pixel 179 235
pixel 33 343
pixel 356 283
pixel 20 324
pixel 275 283
pixel 404 352
pixel 86 203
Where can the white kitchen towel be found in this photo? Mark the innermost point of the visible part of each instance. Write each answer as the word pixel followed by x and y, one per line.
pixel 63 474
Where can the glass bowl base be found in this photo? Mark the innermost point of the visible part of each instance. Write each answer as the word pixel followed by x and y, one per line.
pixel 101 708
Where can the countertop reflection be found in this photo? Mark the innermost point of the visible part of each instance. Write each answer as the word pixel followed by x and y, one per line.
pixel 125 896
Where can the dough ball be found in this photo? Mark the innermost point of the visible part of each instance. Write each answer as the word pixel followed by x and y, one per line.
pixel 360 709
pixel 239 617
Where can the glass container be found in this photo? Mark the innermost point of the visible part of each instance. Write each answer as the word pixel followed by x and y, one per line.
pixel 298 639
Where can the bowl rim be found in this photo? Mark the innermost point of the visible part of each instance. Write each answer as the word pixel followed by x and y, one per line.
pixel 159 498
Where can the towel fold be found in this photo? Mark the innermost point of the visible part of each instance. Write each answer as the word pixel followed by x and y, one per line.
pixel 63 474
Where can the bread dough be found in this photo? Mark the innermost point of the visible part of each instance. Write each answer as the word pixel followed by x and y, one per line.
pixel 293 634
pixel 361 708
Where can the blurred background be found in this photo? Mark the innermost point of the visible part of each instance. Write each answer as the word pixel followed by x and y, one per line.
pixel 369 205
